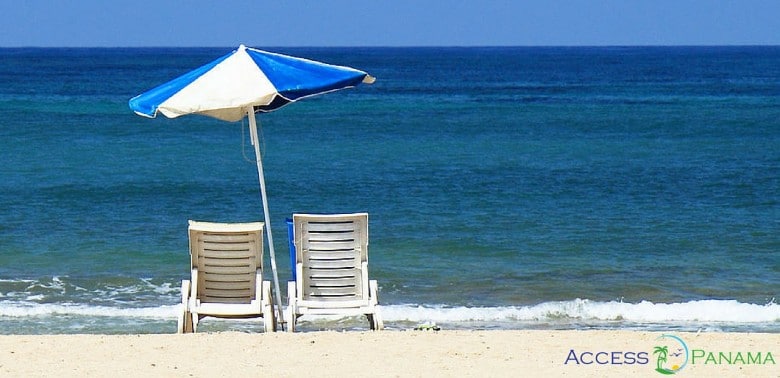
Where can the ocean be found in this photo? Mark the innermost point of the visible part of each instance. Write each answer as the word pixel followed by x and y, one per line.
pixel 507 187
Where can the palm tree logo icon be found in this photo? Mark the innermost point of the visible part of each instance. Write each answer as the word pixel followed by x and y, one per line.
pixel 677 359
pixel 662 353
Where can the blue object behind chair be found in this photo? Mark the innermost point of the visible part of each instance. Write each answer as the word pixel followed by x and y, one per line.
pixel 291 244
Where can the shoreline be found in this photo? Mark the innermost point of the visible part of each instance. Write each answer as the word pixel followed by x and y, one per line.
pixel 443 353
pixel 30 316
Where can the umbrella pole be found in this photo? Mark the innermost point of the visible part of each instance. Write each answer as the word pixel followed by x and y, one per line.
pixel 261 176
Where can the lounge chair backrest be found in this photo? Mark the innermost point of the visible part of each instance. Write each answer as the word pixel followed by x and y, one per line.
pixel 227 257
pixel 333 253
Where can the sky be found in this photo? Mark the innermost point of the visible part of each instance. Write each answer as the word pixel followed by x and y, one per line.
pixel 210 23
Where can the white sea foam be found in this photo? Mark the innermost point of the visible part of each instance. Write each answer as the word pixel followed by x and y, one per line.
pixel 27 309
pixel 584 310
pixel 578 310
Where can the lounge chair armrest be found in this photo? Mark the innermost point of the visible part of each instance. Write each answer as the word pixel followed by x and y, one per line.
pixel 291 293
pixel 364 278
pixel 373 292
pixel 298 283
pixel 259 284
pixel 185 294
pixel 194 285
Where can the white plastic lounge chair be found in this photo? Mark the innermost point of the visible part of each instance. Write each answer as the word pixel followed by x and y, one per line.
pixel 331 253
pixel 227 279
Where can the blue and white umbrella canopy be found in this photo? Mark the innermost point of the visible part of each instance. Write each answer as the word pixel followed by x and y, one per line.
pixel 242 83
pixel 246 77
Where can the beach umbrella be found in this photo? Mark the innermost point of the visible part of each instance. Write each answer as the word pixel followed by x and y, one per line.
pixel 240 84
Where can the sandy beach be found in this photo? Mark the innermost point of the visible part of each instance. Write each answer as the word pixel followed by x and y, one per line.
pixel 385 354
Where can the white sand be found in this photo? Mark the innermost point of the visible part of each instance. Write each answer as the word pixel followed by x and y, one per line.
pixel 382 354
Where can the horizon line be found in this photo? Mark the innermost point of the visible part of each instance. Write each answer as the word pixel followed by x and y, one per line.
pixel 384 46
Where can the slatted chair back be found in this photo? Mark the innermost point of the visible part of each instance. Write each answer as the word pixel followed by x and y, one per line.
pixel 227 257
pixel 333 253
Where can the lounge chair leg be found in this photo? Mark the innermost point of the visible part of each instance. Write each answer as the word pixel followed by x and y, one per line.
pixel 188 325
pixel 379 324
pixel 269 323
pixel 290 313
pixel 269 317
pixel 375 321
pixel 182 322
pixel 375 318
pixel 289 320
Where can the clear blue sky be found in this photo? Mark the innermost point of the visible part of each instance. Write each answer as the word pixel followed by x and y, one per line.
pixel 117 23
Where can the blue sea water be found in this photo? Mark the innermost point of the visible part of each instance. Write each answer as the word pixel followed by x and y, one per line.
pixel 510 188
